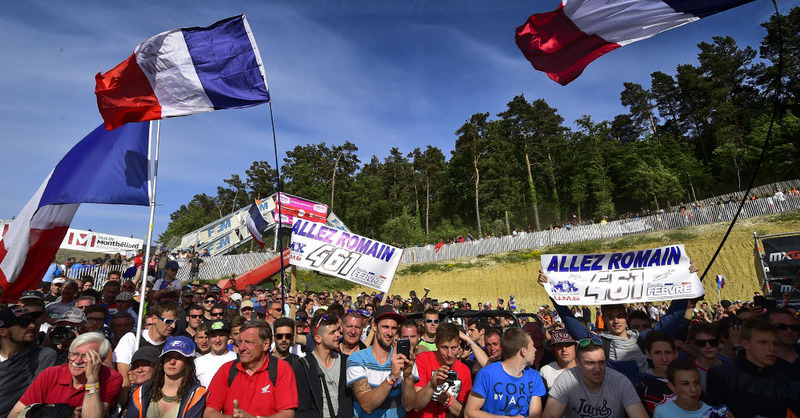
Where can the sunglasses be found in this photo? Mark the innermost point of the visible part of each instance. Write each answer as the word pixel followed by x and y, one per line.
pixel 167 321
pixel 210 301
pixel 196 316
pixel 585 342
pixel 277 309
pixel 431 321
pixel 784 327
pixel 217 314
pixel 300 318
pixel 712 342
pixel 286 336
pixel 22 322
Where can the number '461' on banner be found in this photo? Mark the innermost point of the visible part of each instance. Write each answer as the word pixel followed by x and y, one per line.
pixel 342 254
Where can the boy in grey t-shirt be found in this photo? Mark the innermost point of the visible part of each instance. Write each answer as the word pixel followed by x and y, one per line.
pixel 591 390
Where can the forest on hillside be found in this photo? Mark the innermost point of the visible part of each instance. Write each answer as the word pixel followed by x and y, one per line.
pixel 694 133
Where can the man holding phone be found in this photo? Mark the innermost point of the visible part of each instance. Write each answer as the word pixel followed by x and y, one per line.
pixel 445 382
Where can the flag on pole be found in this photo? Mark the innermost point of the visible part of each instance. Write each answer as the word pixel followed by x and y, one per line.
pixel 563 42
pixel 256 223
pixel 104 167
pixel 182 72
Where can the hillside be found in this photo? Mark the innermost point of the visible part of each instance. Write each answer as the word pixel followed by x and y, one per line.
pixel 490 277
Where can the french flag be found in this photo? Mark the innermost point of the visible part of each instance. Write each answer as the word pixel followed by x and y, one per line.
pixel 182 72
pixel 104 167
pixel 256 223
pixel 563 42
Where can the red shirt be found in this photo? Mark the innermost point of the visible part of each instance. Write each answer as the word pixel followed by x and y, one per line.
pixel 54 385
pixel 256 394
pixel 427 364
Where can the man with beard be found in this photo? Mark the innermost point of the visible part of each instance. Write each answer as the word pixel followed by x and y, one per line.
pixel 382 379
pixel 788 327
pixel 563 346
pixel 88 387
pixel 165 315
pixel 322 376
pixel 353 327
pixel 284 339
pixel 439 392
pixel 206 366
pixel 21 359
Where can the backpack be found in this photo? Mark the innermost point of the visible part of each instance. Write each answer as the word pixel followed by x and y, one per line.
pixel 272 370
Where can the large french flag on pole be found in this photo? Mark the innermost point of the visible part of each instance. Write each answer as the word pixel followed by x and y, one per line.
pixel 563 42
pixel 256 223
pixel 104 167
pixel 182 72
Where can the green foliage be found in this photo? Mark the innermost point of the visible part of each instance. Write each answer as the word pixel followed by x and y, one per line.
pixel 311 280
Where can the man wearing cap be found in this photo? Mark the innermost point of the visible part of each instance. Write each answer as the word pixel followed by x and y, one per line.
pixel 382 379
pixel 170 278
pixel 30 297
pixel 246 309
pixel 21 359
pixel 206 366
pixel 84 383
pixel 252 392
pixel 563 346
pixel 125 303
pixel 55 289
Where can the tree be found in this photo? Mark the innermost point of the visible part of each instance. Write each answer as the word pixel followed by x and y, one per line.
pixel 261 180
pixel 639 102
pixel 429 166
pixel 472 142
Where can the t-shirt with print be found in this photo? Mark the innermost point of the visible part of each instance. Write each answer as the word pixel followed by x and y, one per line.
pixel 362 365
pixel 427 364
pixel 615 394
pixel 505 394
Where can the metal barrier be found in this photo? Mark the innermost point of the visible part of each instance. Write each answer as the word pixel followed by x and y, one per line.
pixel 613 229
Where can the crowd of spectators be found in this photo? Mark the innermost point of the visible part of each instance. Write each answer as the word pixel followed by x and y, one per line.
pixel 69 350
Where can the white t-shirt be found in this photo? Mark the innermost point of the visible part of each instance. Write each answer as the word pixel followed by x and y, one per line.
pixel 615 394
pixel 550 373
pixel 207 365
pixel 127 346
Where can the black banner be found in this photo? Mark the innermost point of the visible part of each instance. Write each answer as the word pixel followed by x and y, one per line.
pixel 782 255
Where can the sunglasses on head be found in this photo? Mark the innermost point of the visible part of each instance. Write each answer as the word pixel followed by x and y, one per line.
pixel 167 321
pixel 784 327
pixel 431 321
pixel 585 342
pixel 712 342
pixel 286 336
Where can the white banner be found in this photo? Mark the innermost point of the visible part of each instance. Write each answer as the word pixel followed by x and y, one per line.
pixel 344 255
pixel 650 275
pixel 99 243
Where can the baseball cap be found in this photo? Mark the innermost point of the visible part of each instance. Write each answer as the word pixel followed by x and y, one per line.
pixel 247 303
pixel 10 314
pixel 561 336
pixel 149 354
pixel 260 309
pixel 725 303
pixel 179 344
pixel 188 293
pixel 59 280
pixel 219 325
pixel 216 289
pixel 124 296
pixel 32 294
pixel 237 297
pixel 386 312
pixel 74 316
pixel 172 265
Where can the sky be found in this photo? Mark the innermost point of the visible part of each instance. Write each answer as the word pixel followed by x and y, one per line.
pixel 380 74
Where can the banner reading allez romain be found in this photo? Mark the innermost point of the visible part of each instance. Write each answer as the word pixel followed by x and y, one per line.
pixel 344 255
pixel 650 275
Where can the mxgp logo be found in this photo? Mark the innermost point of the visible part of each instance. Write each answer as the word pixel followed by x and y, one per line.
pixel 790 255
pixel 86 240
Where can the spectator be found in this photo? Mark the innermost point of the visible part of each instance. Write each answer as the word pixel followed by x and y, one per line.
pixel 591 389
pixel 274 311
pixel 382 379
pixel 439 392
pixel 67 301
pixel 96 317
pixel 121 324
pixel 653 389
pixel 510 387
pixel 788 335
pixel 82 383
pixel 246 309
pixel 21 358
pixel 325 366
pixel 208 303
pixel 207 365
pixel 55 289
pixel 194 266
pixel 85 301
pixel 684 381
pixel 411 331
pixel 202 341
pixel 174 385
pixel 124 303
pixel 751 385
pixel 284 340
pixel 142 365
pixel 353 325
pixel 194 317
pixel 703 344
pixel 563 345
pixel 430 323
pixel 110 291
pixel 170 278
pixel 229 394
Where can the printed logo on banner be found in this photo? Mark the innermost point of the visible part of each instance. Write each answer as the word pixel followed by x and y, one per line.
pixel 297 247
pixel 565 286
pixel 788 255
pixel 367 278
pixel 83 240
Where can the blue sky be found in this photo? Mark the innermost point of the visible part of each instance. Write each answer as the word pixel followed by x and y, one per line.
pixel 404 73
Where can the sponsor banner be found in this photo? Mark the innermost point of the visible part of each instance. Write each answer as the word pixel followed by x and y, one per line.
pixel 782 255
pixel 99 243
pixel 337 223
pixel 342 254
pixel 651 275
pixel 293 207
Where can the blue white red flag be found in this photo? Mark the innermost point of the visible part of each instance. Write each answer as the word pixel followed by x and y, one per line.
pixel 563 42
pixel 104 167
pixel 256 223
pixel 182 72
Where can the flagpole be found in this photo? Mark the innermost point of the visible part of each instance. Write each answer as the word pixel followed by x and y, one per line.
pixel 278 203
pixel 143 291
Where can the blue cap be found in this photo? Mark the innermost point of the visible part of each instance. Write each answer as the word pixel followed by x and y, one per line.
pixel 180 344
pixel 172 265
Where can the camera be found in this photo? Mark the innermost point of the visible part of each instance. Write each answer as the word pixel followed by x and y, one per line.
pixel 452 375
pixel 62 334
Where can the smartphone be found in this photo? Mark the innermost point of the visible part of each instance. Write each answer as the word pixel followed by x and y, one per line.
pixel 452 375
pixel 404 347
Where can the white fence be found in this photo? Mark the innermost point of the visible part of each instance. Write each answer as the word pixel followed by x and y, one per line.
pixel 663 221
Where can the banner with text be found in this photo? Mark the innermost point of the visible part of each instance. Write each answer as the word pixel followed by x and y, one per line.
pixel 344 255
pixel 656 274
pixel 293 207
pixel 99 243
